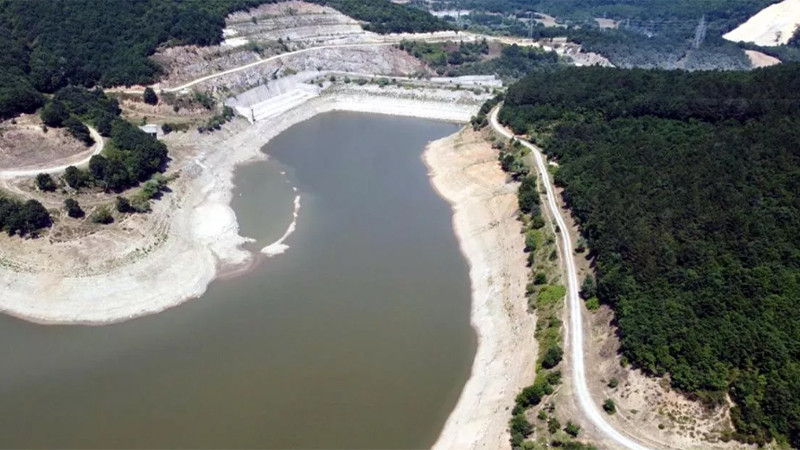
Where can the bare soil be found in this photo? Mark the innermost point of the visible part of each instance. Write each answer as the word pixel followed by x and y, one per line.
pixel 24 143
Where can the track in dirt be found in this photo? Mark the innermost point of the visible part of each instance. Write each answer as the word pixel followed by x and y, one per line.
pixel 585 402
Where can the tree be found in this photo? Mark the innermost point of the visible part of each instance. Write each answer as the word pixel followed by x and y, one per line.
pixel 54 114
pixel 73 208
pixel 150 96
pixel 45 182
pixel 79 130
pixel 74 177
pixel 98 166
pixel 34 216
pixel 609 406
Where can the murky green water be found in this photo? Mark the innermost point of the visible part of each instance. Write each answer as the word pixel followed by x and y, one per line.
pixel 357 337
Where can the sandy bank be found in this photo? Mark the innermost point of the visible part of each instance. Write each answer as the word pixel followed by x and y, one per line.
pixel 190 238
pixel 773 25
pixel 465 171
pixel 758 59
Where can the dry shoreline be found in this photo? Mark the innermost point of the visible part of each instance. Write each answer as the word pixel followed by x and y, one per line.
pixel 198 241
pixel 195 235
pixel 464 170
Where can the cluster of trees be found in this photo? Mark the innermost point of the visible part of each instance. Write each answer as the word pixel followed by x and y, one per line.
pixel 22 218
pixel 464 58
pixel 685 186
pixel 441 55
pixel 130 155
pixel 17 94
pixel 216 122
pixel 384 16
pixel 480 120
pixel 513 63
pixel 48 45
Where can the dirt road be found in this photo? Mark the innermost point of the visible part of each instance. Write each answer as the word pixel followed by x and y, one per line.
pixel 575 330
pixel 59 166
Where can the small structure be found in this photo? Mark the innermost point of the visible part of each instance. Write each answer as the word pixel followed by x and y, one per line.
pixel 153 130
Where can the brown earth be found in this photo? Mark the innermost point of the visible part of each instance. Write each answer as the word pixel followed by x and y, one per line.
pixel 24 143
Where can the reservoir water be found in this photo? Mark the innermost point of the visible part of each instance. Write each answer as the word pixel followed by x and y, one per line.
pixel 357 336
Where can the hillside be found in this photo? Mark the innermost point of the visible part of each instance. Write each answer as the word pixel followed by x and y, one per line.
pixel 685 187
pixel 630 33
pixel 774 25
pixel 52 44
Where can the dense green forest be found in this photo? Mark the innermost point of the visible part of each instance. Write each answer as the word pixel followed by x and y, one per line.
pixel 686 186
pixel 51 44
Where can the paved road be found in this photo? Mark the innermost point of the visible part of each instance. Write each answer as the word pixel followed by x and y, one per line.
pixel 78 160
pixel 587 405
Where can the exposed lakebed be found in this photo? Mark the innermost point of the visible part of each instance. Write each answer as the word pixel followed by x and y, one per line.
pixel 357 336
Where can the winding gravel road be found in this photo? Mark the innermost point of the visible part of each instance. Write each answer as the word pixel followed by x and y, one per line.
pixel 587 405
pixel 80 159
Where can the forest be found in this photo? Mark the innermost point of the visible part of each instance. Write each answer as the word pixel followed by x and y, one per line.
pixel 686 186
pixel 48 45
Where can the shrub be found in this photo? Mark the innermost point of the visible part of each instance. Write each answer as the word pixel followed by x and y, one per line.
pixel 609 406
pixel 521 425
pixel 553 425
pixel 102 215
pixel 552 357
pixel 540 279
pixel 613 383
pixel 593 304
pixel 551 294
pixel 124 205
pixel 531 241
pixel 73 208
pixel 45 182
pixel 150 96
pixel 588 288
pixel 572 429
pixel 140 202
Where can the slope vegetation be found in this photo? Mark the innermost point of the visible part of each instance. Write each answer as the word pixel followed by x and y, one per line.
pixel 685 186
pixel 51 44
